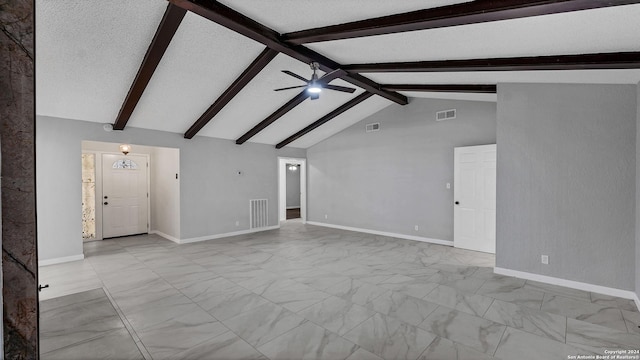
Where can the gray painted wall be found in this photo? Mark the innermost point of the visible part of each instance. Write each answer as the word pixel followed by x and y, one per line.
pixel 394 179
pixel 566 179
pixel 293 188
pixel 165 191
pixel 1 280
pixel 638 194
pixel 213 196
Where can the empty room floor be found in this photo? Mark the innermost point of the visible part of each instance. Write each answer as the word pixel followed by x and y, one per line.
pixel 307 292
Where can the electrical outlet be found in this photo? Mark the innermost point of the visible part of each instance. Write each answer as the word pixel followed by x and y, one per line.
pixel 448 185
pixel 415 228
pixel 326 216
pixel 544 259
pixel 237 223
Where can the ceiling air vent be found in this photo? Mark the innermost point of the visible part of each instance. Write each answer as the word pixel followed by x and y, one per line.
pixel 446 115
pixel 372 127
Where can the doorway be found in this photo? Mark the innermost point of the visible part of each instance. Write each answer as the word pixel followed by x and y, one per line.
pixel 162 186
pixel 125 195
pixel 292 189
pixel 474 193
pixel 105 171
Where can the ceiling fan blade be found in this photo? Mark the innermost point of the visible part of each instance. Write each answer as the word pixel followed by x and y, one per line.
pixel 332 75
pixel 314 96
pixel 340 88
pixel 295 75
pixel 290 87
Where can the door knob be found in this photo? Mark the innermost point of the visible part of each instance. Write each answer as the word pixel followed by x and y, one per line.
pixel 457 202
pixel 106 203
pixel 106 197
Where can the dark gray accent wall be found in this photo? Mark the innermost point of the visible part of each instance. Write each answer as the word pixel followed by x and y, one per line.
pixel 212 194
pixel 566 181
pixel 293 187
pixel 394 179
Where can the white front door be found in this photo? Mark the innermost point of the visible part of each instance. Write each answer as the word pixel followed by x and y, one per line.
pixel 474 194
pixel 124 190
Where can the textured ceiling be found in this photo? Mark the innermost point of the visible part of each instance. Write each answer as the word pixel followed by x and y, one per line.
pixel 88 53
pixel 192 74
pixel 368 107
pixel 292 15
pixel 630 76
pixel 258 100
pixel 600 30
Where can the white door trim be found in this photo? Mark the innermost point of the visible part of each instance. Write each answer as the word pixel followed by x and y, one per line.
pixel 282 187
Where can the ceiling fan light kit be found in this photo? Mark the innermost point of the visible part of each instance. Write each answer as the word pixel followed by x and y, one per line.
pixel 314 88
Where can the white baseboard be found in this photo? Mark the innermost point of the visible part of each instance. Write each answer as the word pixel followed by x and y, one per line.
pixel 384 233
pixel 637 300
pixel 235 233
pixel 627 294
pixel 293 207
pixel 60 260
pixel 168 237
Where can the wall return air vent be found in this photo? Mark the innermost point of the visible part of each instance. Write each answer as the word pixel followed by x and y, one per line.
pixel 446 115
pixel 372 127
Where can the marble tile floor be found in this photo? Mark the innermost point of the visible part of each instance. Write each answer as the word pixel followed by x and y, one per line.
pixel 73 326
pixel 308 292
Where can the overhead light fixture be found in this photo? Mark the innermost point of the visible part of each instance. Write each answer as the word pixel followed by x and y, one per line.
pixel 293 168
pixel 314 88
pixel 125 148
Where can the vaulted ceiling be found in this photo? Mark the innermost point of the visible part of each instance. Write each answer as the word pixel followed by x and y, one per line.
pixel 208 68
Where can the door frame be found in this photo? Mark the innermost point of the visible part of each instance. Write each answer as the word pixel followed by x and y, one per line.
pixel 282 187
pixel 99 199
pixel 456 183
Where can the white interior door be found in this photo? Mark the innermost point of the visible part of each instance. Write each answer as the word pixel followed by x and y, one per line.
pixel 474 194
pixel 124 192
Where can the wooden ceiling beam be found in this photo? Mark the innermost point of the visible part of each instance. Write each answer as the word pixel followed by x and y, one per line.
pixel 344 107
pixel 619 60
pixel 247 75
pixel 297 100
pixel 169 24
pixel 290 105
pixel 233 20
pixel 463 88
pixel 472 12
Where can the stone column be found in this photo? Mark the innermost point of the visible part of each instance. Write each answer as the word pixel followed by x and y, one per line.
pixel 17 149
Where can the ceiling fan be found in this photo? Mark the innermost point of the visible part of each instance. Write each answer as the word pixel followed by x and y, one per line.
pixel 315 85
